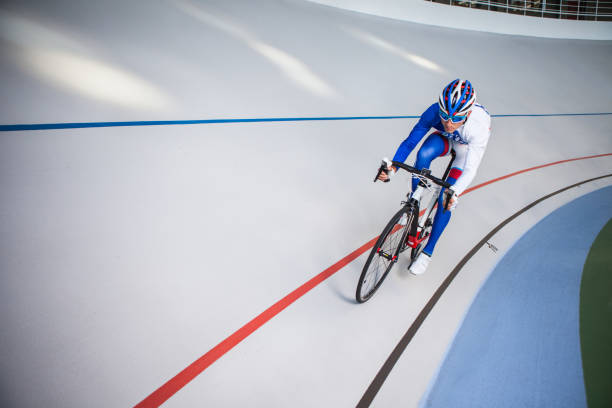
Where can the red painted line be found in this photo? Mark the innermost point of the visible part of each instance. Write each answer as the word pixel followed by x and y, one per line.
pixel 531 169
pixel 181 379
pixel 172 386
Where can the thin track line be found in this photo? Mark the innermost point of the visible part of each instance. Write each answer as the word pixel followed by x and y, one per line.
pixel 84 125
pixel 173 385
pixel 48 126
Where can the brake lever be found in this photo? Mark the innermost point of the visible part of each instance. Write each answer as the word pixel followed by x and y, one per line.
pixel 449 194
pixel 381 169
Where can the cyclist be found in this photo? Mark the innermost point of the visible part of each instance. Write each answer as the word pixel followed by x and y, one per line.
pixel 460 124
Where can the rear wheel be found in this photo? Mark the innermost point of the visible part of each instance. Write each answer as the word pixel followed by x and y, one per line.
pixel 384 254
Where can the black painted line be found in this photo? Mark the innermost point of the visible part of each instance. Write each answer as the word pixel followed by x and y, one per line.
pixel 383 373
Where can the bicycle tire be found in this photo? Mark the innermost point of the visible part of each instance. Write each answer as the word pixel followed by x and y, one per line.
pixel 390 254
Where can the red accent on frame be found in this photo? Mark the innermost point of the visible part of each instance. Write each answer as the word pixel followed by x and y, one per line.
pixel 413 242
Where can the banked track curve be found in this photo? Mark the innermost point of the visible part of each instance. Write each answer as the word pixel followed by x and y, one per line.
pixel 176 383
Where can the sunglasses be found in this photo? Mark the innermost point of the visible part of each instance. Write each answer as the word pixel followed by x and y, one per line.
pixel 454 119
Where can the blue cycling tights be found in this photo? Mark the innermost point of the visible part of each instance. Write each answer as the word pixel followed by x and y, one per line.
pixel 435 146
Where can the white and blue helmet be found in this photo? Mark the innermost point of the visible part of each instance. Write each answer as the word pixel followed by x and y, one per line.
pixel 457 98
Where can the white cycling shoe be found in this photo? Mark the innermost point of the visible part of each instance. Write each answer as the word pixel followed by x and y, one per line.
pixel 420 264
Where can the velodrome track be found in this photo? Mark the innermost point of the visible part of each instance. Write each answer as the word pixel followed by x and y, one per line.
pixel 129 253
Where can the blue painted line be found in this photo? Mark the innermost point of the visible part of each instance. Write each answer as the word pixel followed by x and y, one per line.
pixel 552 114
pixel 46 126
pixel 83 125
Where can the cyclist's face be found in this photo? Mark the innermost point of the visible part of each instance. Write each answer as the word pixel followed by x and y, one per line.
pixel 450 126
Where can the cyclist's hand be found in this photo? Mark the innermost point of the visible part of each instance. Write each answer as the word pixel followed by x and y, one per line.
pixel 451 201
pixel 388 171
pixel 386 176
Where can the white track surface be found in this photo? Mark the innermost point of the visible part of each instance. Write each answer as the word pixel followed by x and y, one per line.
pixel 127 253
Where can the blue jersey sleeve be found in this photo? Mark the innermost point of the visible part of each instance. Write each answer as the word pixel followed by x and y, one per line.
pixel 428 119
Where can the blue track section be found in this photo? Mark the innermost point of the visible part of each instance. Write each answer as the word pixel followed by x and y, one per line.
pixel 84 125
pixel 519 344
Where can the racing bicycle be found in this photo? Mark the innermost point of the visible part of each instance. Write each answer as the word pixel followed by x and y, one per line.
pixel 410 228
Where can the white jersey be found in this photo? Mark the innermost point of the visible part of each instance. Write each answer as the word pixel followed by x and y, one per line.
pixel 470 142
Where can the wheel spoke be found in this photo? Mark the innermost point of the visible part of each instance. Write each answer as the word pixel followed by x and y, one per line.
pixel 382 258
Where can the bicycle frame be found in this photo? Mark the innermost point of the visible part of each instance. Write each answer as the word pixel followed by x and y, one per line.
pixel 414 237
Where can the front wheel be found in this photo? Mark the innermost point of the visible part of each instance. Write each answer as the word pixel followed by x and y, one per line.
pixel 384 254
